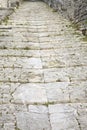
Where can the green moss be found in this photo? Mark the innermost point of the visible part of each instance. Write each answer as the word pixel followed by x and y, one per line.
pixel 0 114
pixel 45 104
pixel 26 48
pixel 6 20
pixel 3 47
pixel 17 128
pixel 49 103
pixel 84 39
pixel 76 33
pixel 75 26
pixel 54 10
pixel 86 22
pixel 35 103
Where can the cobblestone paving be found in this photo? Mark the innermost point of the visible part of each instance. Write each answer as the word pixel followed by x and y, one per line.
pixel 43 72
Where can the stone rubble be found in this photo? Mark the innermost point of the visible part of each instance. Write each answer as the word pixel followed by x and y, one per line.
pixel 43 71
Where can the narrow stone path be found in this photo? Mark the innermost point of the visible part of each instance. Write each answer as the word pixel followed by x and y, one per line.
pixel 43 72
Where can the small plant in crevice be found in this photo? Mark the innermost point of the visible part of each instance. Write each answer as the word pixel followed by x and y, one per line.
pixel 75 26
pixel 84 39
pixel 49 103
pixel 26 48
pixel 6 20
pixel 3 47
pixel 16 128
pixel 54 10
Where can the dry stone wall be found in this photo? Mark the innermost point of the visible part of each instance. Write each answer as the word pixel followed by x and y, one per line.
pixel 76 10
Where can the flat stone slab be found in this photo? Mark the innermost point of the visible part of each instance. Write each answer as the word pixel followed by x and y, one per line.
pixel 66 74
pixel 63 92
pixel 57 92
pixel 68 116
pixel 19 53
pixel 30 94
pixel 21 75
pixel 57 61
pixel 32 121
pixel 23 62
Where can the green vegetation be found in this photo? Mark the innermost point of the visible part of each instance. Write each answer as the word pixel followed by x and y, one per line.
pixel 75 26
pixel 86 21
pixel 26 48
pixel 6 20
pixel 17 128
pixel 3 47
pixel 49 103
pixel 54 10
pixel 76 33
pixel 84 39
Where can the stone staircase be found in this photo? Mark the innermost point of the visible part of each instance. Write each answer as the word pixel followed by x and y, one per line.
pixel 43 71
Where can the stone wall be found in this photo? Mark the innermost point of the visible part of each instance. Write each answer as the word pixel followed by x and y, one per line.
pixel 75 10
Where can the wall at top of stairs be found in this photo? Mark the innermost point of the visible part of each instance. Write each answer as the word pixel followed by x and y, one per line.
pixel 75 10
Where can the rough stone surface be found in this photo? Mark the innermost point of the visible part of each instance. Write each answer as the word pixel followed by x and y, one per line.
pixel 76 10
pixel 4 13
pixel 3 3
pixel 43 71
pixel 10 3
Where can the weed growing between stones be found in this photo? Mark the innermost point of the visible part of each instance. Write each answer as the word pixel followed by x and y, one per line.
pixel 17 128
pixel 54 10
pixel 45 104
pixel 76 33
pixel 86 21
pixel 85 39
pixel 6 20
pixel 26 48
pixel 75 26
pixel 3 47
pixel 49 103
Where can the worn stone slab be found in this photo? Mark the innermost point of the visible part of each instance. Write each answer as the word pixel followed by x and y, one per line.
pixel 23 62
pixel 38 109
pixel 30 93
pixel 32 121
pixel 68 116
pixel 78 91
pixel 20 53
pixel 66 74
pixel 57 92
pixel 20 45
pixel 63 92
pixel 21 75
pixel 64 61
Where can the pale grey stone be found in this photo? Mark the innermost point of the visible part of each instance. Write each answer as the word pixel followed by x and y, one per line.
pixel 32 121
pixel 30 93
pixel 38 109
pixel 68 115
pixel 78 91
pixel 57 92
pixel 22 62
pixel 43 71
pixel 56 75
pixel 21 75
